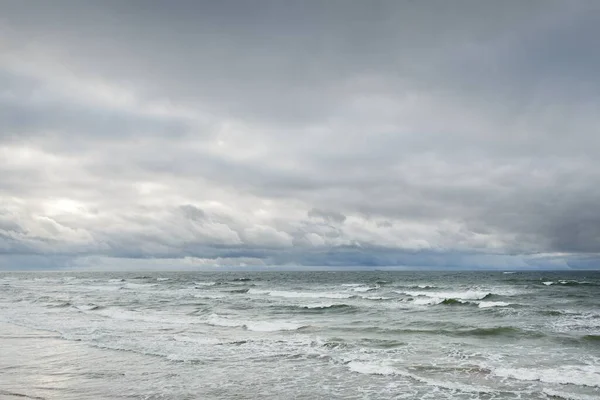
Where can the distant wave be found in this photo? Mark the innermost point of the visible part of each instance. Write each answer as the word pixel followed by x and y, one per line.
pixel 292 294
pixel 569 283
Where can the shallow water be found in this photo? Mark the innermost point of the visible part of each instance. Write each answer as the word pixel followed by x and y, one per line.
pixel 303 335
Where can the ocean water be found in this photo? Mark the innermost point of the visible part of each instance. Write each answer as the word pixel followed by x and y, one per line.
pixel 300 335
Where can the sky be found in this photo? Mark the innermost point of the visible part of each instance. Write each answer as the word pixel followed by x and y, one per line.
pixel 193 134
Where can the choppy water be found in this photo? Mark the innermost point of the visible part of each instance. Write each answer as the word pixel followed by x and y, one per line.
pixel 306 335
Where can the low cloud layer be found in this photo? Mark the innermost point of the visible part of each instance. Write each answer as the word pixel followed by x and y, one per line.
pixel 195 134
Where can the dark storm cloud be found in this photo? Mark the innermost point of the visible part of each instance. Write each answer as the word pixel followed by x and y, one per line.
pixel 321 133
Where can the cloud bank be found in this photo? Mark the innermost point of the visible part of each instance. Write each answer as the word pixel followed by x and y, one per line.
pixel 192 134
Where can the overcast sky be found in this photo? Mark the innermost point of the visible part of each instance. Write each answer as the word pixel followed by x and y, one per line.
pixel 186 134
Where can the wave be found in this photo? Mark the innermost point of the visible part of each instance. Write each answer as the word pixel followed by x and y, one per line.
pixel 256 326
pixel 555 394
pixel 465 295
pixel 363 289
pixel 376 297
pixel 592 338
pixel 569 283
pixel 372 368
pixel 582 375
pixel 488 304
pixel 292 294
pixel 327 307
pixel 458 302
pixel 163 279
pixel 88 307
pixel 205 283
pixel 238 291
pixel 576 283
pixel 501 331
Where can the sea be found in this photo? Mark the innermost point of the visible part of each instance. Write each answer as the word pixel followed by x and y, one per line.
pixel 300 335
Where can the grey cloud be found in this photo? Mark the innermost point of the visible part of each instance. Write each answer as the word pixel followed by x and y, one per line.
pixel 329 216
pixel 327 133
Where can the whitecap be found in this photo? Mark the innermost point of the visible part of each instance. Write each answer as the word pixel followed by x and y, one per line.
pixel 466 295
pixel 548 283
pixel 363 289
pixel 488 304
pixel 205 283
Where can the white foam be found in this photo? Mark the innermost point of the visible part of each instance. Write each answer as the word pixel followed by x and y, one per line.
pixel 291 294
pixel 163 279
pixel 352 284
pixel 548 283
pixel 488 304
pixel 371 368
pixel 126 315
pixel 272 326
pixel 583 375
pixel 205 283
pixel 466 295
pixel 363 289
pixel 139 285
pixel 425 301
